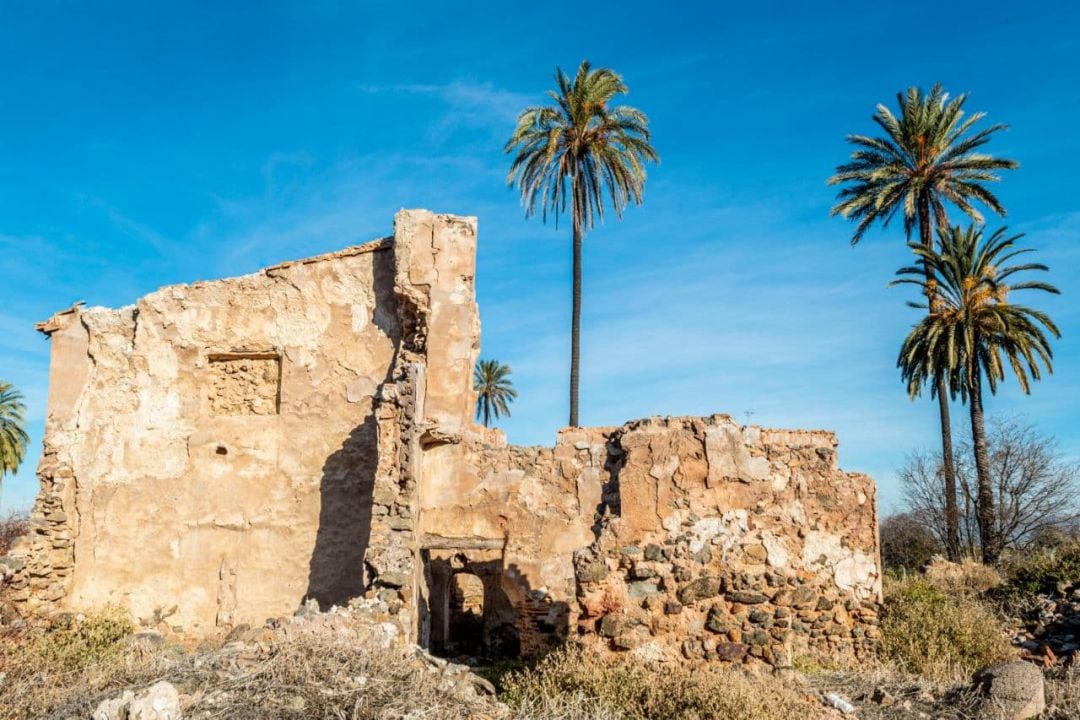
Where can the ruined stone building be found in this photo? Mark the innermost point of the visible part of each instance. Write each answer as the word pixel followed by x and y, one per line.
pixel 220 453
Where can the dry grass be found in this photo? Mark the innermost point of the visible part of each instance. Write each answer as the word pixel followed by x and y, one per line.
pixel 573 684
pixel 943 636
pixel 881 692
pixel 967 576
pixel 1063 694
pixel 85 654
pixel 69 670
pixel 932 640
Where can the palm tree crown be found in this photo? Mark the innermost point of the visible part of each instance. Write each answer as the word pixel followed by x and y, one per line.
pixel 13 437
pixel 495 390
pixel 580 149
pixel 925 159
pixel 973 330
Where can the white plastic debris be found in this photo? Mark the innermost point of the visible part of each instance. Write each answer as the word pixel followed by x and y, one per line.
pixel 840 703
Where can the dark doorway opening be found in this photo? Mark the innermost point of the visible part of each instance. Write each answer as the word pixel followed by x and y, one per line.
pixel 468 614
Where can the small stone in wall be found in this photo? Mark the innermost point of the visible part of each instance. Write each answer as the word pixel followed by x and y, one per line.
pixel 633 638
pixel 642 589
pixel 756 553
pixel 613 625
pixel 731 652
pixel 803 598
pixel 702 588
pixel 592 572
pixel 720 620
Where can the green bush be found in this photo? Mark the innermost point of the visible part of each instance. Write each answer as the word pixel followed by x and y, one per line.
pixel 78 641
pixel 941 635
pixel 1042 569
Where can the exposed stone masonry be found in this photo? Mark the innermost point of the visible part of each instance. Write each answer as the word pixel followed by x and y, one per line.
pixel 731 543
pixel 245 385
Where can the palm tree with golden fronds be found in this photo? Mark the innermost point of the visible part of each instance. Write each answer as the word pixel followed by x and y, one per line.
pixel 578 154
pixel 974 331
pixel 13 437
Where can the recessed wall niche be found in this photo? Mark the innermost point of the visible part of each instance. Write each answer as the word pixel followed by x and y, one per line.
pixel 245 383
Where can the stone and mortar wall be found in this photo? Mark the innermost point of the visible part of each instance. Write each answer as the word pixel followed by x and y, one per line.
pixel 220 452
pixel 732 543
pixel 672 538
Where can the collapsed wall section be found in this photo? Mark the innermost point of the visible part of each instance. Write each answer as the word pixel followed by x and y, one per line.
pixel 731 543
pixel 671 538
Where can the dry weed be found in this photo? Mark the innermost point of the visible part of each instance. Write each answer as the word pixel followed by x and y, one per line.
pixel 1063 694
pixel 11 527
pixel 967 576
pixel 621 689
pixel 943 636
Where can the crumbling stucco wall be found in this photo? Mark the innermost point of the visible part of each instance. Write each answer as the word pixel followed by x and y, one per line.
pixel 732 543
pixel 217 453
pixel 211 451
pixel 537 505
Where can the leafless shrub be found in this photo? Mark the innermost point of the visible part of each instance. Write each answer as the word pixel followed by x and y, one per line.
pixel 11 527
pixel 906 543
pixel 1036 487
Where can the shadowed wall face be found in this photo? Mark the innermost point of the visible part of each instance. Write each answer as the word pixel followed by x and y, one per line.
pixel 212 448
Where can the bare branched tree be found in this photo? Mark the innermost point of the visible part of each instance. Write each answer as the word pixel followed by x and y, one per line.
pixel 906 543
pixel 1036 487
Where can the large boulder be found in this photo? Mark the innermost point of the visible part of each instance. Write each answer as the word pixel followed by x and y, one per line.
pixel 1012 691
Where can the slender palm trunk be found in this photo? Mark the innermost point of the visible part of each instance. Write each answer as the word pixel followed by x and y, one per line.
pixel 988 535
pixel 575 328
pixel 952 516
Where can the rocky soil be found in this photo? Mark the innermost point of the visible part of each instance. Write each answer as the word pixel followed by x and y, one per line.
pixel 1047 628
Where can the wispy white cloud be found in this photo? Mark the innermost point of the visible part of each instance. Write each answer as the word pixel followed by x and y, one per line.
pixel 131 227
pixel 465 104
pixel 474 102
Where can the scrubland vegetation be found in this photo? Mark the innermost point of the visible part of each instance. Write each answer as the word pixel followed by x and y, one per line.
pixel 938 627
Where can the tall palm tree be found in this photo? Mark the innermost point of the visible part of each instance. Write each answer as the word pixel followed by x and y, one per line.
pixel 582 153
pixel 13 437
pixel 928 157
pixel 971 332
pixel 495 390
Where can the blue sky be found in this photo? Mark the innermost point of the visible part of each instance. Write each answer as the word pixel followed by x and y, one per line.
pixel 143 144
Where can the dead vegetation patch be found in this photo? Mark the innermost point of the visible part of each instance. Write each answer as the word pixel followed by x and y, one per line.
pixel 575 684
